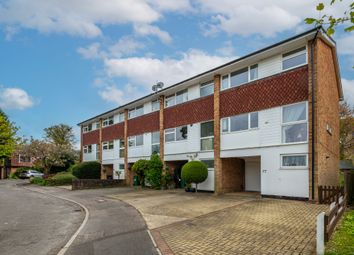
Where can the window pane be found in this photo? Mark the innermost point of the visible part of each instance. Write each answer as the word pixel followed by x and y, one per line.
pixel 294 61
pixel 181 133
pixel 121 117
pixel 121 166
pixel 207 129
pixel 254 72
pixel 239 122
pixel 155 105
pixel 181 97
pixel 139 111
pixel 169 137
pixel 296 112
pixel 295 133
pixel 139 140
pixel 121 143
pixel 155 137
pixel 207 89
pixel 207 144
pixel 209 163
pixel 155 148
pixel 170 101
pixel 254 120
pixel 131 113
pixel 225 82
pixel 299 160
pixel 111 145
pixel 294 51
pixel 131 142
pixel 121 153
pixel 239 77
pixel 225 125
pixel 110 120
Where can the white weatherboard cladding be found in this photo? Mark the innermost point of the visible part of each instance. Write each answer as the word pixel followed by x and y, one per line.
pixel 90 156
pixel 141 151
pixel 208 184
pixel 189 145
pixel 270 66
pixel 147 107
pixel 113 153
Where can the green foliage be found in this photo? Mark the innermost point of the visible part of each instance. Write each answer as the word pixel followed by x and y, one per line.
pixel 87 170
pixel 13 176
pixel 18 172
pixel 62 135
pixel 7 137
pixel 62 178
pixel 166 178
pixel 154 174
pixel 342 242
pixel 38 181
pixel 194 172
pixel 140 168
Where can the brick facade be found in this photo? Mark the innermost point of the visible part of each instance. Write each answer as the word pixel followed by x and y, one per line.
pixel 113 132
pixel 273 91
pixel 92 137
pixel 144 124
pixel 233 174
pixel 217 160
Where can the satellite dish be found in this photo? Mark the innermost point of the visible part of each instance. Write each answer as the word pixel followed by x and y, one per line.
pixel 157 86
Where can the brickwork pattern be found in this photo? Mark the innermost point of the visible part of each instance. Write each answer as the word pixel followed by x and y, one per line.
pixel 277 90
pixel 233 174
pixel 92 137
pixel 113 132
pixel 266 226
pixel 144 124
pixel 198 110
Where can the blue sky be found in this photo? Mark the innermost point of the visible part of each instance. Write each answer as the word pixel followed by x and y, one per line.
pixel 65 61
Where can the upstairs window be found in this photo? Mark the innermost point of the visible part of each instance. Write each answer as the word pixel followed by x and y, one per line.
pixel 155 142
pixel 136 112
pixel 207 88
pixel 182 96
pixel 294 123
pixel 207 136
pixel 108 121
pixel 87 128
pixel 170 101
pixel 88 149
pixel 176 134
pixel 121 148
pixel 24 159
pixel 240 122
pixel 155 105
pixel 137 140
pixel 294 58
pixel 108 145
pixel 239 77
pixel 254 72
pixel 121 117
pixel 98 125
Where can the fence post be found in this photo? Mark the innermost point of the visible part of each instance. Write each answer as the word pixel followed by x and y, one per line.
pixel 320 199
pixel 320 232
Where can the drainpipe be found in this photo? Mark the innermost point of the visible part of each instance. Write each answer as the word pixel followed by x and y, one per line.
pixel 313 115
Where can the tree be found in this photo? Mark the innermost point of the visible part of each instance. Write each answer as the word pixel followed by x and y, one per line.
pixel 61 135
pixel 330 22
pixel 141 168
pixel 8 139
pixel 194 172
pixel 346 138
pixel 154 174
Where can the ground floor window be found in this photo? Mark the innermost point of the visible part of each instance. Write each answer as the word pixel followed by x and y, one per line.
pixel 294 160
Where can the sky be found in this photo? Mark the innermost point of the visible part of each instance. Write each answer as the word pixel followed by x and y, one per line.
pixel 66 61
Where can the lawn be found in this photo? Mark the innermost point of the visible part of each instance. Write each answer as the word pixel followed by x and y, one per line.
pixel 342 241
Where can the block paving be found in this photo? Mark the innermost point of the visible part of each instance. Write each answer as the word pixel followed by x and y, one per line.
pixel 264 226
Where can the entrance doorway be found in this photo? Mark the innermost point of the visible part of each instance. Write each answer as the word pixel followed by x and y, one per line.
pixel 253 174
pixel 175 168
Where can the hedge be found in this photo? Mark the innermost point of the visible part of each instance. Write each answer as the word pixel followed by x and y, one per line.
pixel 87 170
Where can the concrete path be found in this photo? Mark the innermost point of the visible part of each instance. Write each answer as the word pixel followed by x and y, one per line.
pixel 113 227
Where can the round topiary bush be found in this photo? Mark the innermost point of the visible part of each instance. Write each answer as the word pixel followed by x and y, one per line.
pixel 87 170
pixel 194 172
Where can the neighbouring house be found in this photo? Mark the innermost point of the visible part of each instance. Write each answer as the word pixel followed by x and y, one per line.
pixel 265 122
pixel 16 161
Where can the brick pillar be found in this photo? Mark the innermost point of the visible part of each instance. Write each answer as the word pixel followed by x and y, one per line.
pixel 162 132
pixel 217 160
pixel 127 174
pixel 312 74
pixel 81 144
pixel 103 171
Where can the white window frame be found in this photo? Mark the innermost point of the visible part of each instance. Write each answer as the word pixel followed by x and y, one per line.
pixel 205 137
pixel 121 147
pixel 228 119
pixel 295 155
pixel 173 97
pixel 87 128
pixel 120 117
pixel 169 131
pixel 24 161
pixel 108 121
pixel 87 149
pixel 294 55
pixel 155 143
pixel 133 139
pixel 155 102
pixel 249 76
pixel 132 113
pixel 294 123
pixel 204 85
pixel 108 145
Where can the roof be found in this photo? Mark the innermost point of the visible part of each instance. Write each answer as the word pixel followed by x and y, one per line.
pixel 311 32
pixel 346 165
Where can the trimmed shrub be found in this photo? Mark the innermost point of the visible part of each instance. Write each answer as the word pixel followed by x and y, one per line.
pixel 87 170
pixel 194 172
pixel 154 174
pixel 62 178
pixel 38 181
pixel 140 168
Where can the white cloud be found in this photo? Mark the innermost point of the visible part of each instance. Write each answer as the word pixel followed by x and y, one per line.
pixel 172 5
pixel 145 30
pixel 92 51
pixel 76 17
pixel 346 44
pixel 112 94
pixel 227 50
pixel 146 71
pixel 125 46
pixel 15 98
pixel 267 18
pixel 348 91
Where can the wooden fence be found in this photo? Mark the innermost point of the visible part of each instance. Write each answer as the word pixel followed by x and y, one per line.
pixel 329 194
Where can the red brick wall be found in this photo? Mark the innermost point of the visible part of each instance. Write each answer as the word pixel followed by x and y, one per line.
pixel 115 131
pixel 280 89
pixel 233 174
pixel 144 124
pixel 195 111
pixel 91 137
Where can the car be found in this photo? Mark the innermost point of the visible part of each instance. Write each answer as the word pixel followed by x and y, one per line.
pixel 31 173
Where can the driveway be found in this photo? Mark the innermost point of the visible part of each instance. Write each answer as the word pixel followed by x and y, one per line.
pixel 113 227
pixel 229 224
